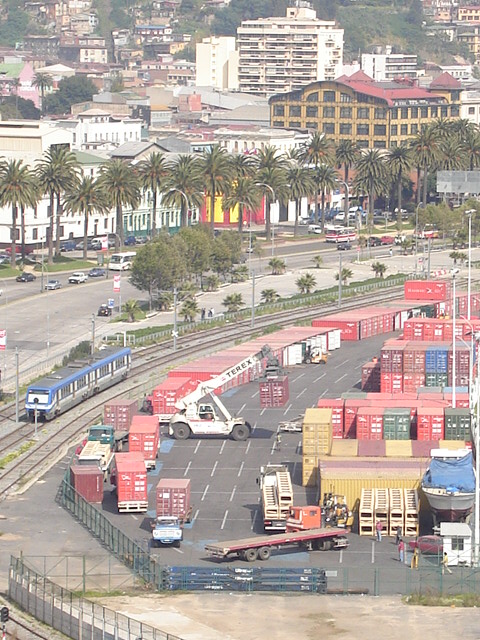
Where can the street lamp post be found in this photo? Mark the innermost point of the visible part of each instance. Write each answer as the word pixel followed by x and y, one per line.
pixel 175 331
pixel 345 207
pixel 184 195
pixel 476 433
pixel 469 213
pixel 454 350
pixel 267 186
pixel 420 204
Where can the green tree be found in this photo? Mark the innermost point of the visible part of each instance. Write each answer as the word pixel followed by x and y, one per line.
pixel 184 177
pixel 270 177
pixel 67 169
pixel 152 172
pixel 212 283
pixel 370 176
pixel 121 185
pixel 318 151
pixel 301 184
pixel 427 152
pixel 42 81
pixel 277 265
pixel 226 252
pixel 318 261
pixel 326 178
pixel 306 283
pixel 18 188
pixel 269 296
pixel 244 194
pixel 70 91
pixel 86 199
pixel 132 308
pixel 217 175
pixel 189 310
pixel 198 249
pixel 379 269
pixel 233 302
pixel 472 149
pixel 399 162
pixel 346 275
pixel 346 155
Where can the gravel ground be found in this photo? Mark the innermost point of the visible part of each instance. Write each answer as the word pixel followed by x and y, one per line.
pixel 223 616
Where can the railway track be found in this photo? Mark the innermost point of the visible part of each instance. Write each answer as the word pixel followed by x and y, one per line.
pixel 57 436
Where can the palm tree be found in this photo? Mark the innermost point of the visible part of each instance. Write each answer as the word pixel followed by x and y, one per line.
pixel 121 185
pixel 301 184
pixel 42 81
pixel 306 283
pixel 318 151
pixel 327 180
pixel 346 275
pixel 269 296
pixel 184 177
pixel 270 176
pixel 86 199
pixel 370 176
pixel 277 265
pixel 15 84
pixel 18 188
pixel 399 161
pixel 67 168
pixel 244 194
pixel 453 157
pixel 472 149
pixel 152 172
pixel 217 175
pixel 189 310
pixel 318 261
pixel 233 302
pixel 346 154
pixel 426 149
pixel 379 269
pixel 132 308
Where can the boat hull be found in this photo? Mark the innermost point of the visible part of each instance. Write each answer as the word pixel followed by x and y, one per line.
pixel 449 506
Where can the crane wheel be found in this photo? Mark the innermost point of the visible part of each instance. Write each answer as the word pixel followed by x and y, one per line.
pixel 181 431
pixel 264 553
pixel 240 432
pixel 250 555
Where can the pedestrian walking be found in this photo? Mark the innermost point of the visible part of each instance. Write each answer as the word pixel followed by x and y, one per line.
pixel 203 313
pixel 379 529
pixel 445 566
pixel 278 441
pixel 401 551
pixel 414 563
pixel 398 536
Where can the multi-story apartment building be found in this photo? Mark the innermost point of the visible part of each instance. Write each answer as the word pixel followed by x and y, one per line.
pixel 283 54
pixel 386 65
pixel 470 35
pixel 372 114
pixel 217 63
pixel 469 13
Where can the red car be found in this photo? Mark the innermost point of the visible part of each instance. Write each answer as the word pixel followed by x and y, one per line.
pixel 18 249
pixel 429 545
pixel 385 240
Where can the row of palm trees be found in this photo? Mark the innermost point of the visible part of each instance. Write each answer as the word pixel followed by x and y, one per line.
pixel 241 180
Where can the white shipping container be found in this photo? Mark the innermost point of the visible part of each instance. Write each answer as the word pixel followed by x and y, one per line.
pixel 334 339
pixel 292 355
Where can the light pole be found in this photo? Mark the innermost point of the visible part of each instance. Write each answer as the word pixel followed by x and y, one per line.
pixel 420 204
pixel 469 213
pixel 340 279
pixel 175 331
pixel 454 350
pixel 267 186
pixel 184 195
pixel 93 334
pixel 476 423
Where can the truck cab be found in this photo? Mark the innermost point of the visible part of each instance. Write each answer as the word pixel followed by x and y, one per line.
pixel 167 530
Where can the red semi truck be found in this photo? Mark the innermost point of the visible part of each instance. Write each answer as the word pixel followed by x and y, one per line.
pixel 260 547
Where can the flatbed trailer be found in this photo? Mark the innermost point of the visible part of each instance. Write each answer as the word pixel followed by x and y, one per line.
pixel 260 547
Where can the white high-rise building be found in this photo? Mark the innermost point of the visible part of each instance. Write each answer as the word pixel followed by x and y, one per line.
pixel 385 65
pixel 282 54
pixel 217 63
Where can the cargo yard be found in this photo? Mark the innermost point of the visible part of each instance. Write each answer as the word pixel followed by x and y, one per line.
pixel 363 424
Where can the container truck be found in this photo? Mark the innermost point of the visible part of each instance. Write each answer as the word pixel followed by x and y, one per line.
pixel 261 547
pixel 276 496
pixel 144 437
pixel 173 499
pixel 129 479
pixel 100 446
pixel 167 530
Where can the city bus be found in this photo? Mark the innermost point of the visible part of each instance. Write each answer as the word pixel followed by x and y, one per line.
pixel 121 261
pixel 339 234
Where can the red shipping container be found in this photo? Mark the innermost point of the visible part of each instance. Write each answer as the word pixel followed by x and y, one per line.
pixel 391 382
pixel 391 356
pixel 166 394
pixel 349 329
pixel 370 423
pixel 430 423
pixel 414 357
pixel 130 477
pixel 350 410
pixel 337 407
pixel 411 381
pixel 371 377
pixel 144 437
pixel 173 498
pixel 87 482
pixel 274 392
pixel 119 413
pixel 426 290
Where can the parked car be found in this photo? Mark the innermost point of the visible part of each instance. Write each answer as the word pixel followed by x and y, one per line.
pixel 374 241
pixel 141 239
pixel 130 241
pixel 78 277
pixel 343 246
pixel 387 240
pixel 430 545
pixel 4 259
pixel 18 249
pixel 96 272
pixel 53 284
pixel 25 277
pixel 314 228
pixel 400 238
pixel 68 245
pixel 104 310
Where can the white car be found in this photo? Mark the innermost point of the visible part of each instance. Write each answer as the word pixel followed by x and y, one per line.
pixel 314 228
pixel 78 277
pixel 52 285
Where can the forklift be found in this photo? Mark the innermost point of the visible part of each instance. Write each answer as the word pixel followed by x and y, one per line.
pixel 314 355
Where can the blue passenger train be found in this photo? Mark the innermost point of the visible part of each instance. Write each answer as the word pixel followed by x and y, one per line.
pixel 67 387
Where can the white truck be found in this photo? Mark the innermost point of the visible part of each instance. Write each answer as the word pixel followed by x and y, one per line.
pixel 199 416
pixel 167 530
pixel 78 277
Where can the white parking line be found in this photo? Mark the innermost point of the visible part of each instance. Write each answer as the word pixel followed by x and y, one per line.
pixel 341 378
pixel 298 377
pixel 287 409
pixel 224 442
pixel 254 518
pixel 241 469
pixel 355 368
pixel 320 377
pixel 197 512
pixel 214 467
pixel 254 426
pixel 262 412
pixel 256 393
pixel 177 550
pixel 321 395
pixel 187 469
pixel 204 493
pixel 134 517
pixel 301 392
pixel 233 493
pixel 224 519
pixel 197 447
pixel 242 408
pixel 248 446
pixel 341 364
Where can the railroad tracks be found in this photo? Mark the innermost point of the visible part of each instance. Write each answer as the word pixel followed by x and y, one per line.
pixel 54 438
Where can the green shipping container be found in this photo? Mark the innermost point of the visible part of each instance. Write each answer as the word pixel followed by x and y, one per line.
pixel 396 424
pixel 457 424
pixel 436 380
